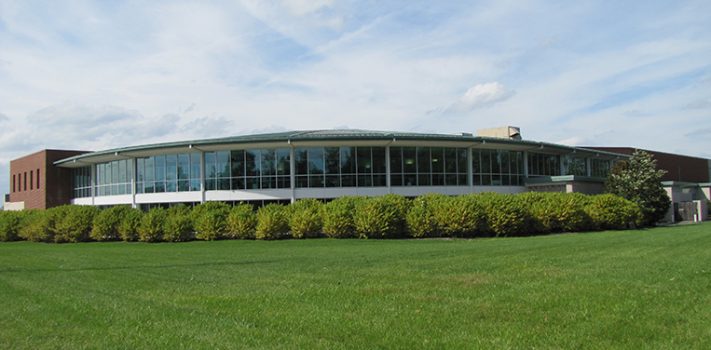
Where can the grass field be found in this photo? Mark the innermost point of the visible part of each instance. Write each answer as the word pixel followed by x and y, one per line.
pixel 634 289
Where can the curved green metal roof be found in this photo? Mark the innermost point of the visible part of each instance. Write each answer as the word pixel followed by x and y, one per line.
pixel 330 135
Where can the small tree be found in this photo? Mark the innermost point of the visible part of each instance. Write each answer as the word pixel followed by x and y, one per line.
pixel 638 180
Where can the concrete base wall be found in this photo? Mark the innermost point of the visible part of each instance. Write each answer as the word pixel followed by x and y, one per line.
pixel 14 206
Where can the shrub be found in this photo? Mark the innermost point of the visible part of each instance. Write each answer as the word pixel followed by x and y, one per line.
pixel 460 216
pixel 10 223
pixel 241 222
pixel 338 217
pixel 381 217
pixel 272 222
pixel 420 218
pixel 35 226
pixel 210 220
pixel 506 214
pixel 150 229
pixel 178 225
pixel 557 212
pixel 72 223
pixel 128 226
pixel 638 179
pixel 609 211
pixel 305 218
pixel 106 223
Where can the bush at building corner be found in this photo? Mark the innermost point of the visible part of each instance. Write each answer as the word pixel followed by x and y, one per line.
pixel 10 224
pixel 150 228
pixel 210 220
pixel 305 218
pixel 608 211
pixel 241 222
pixel 272 222
pixel 178 226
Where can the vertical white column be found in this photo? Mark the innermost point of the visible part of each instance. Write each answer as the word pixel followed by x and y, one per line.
pixel 387 169
pixel 588 166
pixel 292 173
pixel 525 165
pixel 133 182
pixel 560 165
pixel 93 183
pixel 202 176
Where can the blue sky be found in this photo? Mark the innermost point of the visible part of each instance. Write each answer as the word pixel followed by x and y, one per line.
pixel 94 75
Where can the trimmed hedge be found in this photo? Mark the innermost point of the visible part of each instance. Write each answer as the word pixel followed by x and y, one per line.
pixel 272 222
pixel 242 222
pixel 506 214
pixel 388 216
pixel 460 216
pixel 609 211
pixel 210 220
pixel 150 228
pixel 381 217
pixel 337 217
pixel 106 223
pixel 178 226
pixel 10 223
pixel 305 218
pixel 128 225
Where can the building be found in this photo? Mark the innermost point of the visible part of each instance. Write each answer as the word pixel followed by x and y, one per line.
pixel 321 164
pixel 35 182
pixel 687 182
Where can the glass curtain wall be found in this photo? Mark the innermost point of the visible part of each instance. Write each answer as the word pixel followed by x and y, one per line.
pixel 497 168
pixel 573 165
pixel 339 167
pixel 600 167
pixel 247 169
pixel 168 173
pixel 428 166
pixel 113 178
pixel 81 182
pixel 540 164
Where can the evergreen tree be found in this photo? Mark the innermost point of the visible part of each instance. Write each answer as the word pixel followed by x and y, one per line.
pixel 639 180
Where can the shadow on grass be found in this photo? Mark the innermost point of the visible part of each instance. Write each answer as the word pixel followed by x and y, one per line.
pixel 138 267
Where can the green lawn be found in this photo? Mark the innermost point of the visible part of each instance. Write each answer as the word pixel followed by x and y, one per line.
pixel 635 289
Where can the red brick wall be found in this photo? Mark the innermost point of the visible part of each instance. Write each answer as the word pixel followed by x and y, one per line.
pixel 678 167
pixel 55 184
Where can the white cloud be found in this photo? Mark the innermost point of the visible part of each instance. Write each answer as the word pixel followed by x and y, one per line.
pixel 303 7
pixel 480 96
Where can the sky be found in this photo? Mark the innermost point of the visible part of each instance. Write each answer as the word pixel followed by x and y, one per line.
pixel 93 75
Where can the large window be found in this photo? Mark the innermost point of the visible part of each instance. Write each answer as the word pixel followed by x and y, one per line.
pixel 573 165
pixel 600 167
pixel 113 178
pixel 247 169
pixel 540 164
pixel 168 173
pixel 428 166
pixel 340 166
pixel 81 182
pixel 497 168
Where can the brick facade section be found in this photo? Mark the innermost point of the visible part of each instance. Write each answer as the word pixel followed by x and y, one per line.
pixel 678 167
pixel 55 184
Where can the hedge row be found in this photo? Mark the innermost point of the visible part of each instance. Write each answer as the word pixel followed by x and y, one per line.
pixel 389 216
